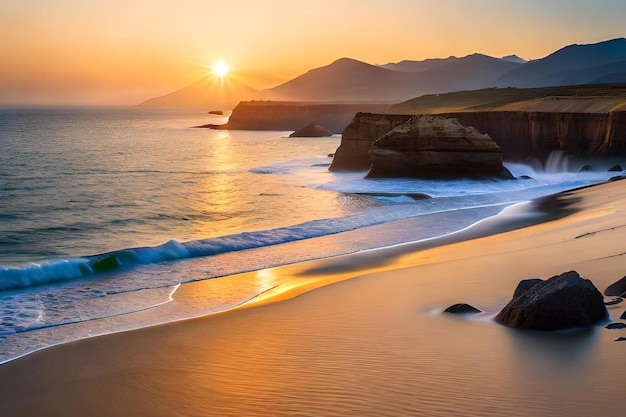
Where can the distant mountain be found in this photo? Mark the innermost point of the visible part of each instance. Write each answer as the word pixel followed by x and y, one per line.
pixel 476 59
pixel 572 65
pixel 515 58
pixel 210 92
pixel 351 80
pixel 418 66
pixel 468 73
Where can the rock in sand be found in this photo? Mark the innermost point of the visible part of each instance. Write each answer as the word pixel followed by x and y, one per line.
pixel 564 301
pixel 462 309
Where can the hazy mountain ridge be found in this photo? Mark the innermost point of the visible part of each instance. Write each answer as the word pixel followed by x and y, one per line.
pixel 560 67
pixel 348 80
pixel 351 80
pixel 209 92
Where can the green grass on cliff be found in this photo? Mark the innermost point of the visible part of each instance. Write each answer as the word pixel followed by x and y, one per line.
pixel 496 98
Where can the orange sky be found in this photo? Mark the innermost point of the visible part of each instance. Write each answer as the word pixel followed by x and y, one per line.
pixel 125 51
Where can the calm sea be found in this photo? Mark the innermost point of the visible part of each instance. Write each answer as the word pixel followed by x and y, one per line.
pixel 104 212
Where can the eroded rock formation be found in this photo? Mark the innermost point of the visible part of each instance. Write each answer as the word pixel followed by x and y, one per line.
pixel 358 137
pixel 434 146
pixel 522 136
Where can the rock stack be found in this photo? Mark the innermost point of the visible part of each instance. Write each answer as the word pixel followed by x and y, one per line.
pixel 435 147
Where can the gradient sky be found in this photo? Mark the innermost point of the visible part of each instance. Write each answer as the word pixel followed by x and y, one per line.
pixel 125 51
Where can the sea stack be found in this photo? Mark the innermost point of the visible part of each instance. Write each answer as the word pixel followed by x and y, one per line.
pixel 311 130
pixel 434 147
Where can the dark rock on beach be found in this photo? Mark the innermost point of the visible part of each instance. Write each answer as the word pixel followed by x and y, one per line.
pixel 311 130
pixel 433 147
pixel 614 326
pixel 525 285
pixel 462 309
pixel 564 301
pixel 623 316
pixel 617 288
pixel 614 301
pixel 615 168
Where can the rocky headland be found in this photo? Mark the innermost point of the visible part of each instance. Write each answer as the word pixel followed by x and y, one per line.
pixel 284 115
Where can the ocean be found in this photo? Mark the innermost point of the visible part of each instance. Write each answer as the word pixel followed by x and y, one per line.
pixel 106 212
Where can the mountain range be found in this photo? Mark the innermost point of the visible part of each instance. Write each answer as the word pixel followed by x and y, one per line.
pixel 350 81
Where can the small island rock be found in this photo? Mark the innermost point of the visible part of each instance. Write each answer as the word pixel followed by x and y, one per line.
pixel 564 301
pixel 311 130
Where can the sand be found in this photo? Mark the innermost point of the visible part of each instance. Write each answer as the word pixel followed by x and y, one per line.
pixel 365 335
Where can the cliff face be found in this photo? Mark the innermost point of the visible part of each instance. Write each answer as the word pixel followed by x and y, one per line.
pixel 522 136
pixel 358 137
pixel 434 146
pixel 276 115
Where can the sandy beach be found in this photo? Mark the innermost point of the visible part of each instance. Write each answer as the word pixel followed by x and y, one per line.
pixel 364 334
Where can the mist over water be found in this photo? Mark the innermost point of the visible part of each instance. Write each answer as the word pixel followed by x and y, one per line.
pixel 105 212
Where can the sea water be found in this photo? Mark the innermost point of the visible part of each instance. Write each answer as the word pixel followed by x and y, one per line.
pixel 105 212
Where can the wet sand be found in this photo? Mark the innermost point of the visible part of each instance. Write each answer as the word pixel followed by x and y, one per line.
pixel 364 335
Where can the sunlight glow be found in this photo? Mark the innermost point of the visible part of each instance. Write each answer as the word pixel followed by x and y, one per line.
pixel 220 68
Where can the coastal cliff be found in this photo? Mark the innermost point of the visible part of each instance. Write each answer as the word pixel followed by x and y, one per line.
pixel 434 147
pixel 285 115
pixel 522 136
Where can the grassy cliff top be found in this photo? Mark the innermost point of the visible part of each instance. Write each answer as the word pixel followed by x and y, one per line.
pixel 581 98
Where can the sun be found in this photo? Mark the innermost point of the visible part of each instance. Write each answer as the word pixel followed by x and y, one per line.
pixel 220 68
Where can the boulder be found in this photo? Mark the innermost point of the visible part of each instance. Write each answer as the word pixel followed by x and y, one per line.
pixel 615 168
pixel 614 301
pixel 615 326
pixel 433 146
pixel 462 309
pixel 524 285
pixel 617 288
pixel 311 130
pixel 564 301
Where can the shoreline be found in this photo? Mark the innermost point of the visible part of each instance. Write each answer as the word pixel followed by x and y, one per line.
pixel 184 305
pixel 230 362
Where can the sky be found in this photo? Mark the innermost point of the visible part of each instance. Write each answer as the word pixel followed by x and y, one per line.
pixel 122 52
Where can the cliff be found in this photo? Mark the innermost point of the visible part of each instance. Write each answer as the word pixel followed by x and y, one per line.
pixel 434 146
pixel 522 136
pixel 283 115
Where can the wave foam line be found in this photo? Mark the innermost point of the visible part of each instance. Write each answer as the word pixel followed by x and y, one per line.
pixel 58 270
